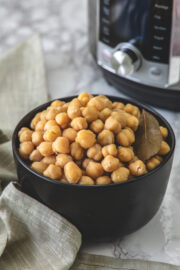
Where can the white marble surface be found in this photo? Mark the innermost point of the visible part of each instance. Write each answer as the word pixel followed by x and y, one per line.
pixel 70 70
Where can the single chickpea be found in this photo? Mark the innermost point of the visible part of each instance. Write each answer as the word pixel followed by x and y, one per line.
pixel 97 102
pixel 77 152
pixel 38 167
pixel 25 149
pixel 106 137
pixel 49 124
pixel 165 148
pixel 59 109
pixel 109 150
pixel 86 180
pixel 53 172
pixel 49 160
pixel 70 133
pixel 110 163
pixel 120 116
pixel 104 114
pixel 137 168
pixel 86 162
pixel 62 160
pixel 132 122
pixel 37 137
pixel 86 138
pixel 22 130
pixel 40 125
pixel 79 123
pixel 51 114
pixel 26 135
pixel 118 105
pixel 120 175
pixel 65 106
pixel 72 172
pixel 154 162
pixel 125 154
pixel 103 180
pixel 164 132
pixel 45 148
pixel 97 126
pixel 43 115
pixel 35 155
pixel 57 103
pixel 125 137
pixel 63 119
pixel 90 113
pixel 94 169
pixel 84 98
pixel 51 134
pixel 112 124
pixel 134 110
pixel 106 101
pixel 73 110
pixel 35 120
pixel 95 152
pixel 61 145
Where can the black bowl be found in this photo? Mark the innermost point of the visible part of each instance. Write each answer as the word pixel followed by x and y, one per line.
pixel 99 211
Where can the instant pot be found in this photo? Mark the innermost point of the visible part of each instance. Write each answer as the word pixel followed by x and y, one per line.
pixel 136 43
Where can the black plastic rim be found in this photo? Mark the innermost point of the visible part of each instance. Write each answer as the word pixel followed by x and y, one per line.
pixel 113 98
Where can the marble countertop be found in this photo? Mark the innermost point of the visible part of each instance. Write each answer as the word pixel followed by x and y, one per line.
pixel 70 69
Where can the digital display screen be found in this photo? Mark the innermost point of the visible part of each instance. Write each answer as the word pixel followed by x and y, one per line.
pixel 145 23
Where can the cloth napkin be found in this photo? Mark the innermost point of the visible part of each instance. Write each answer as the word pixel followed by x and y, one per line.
pixel 33 237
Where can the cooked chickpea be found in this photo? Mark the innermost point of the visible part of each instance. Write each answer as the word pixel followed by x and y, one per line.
pixel 134 110
pixel 97 126
pixel 57 103
pixel 112 124
pixel 63 159
pixel 35 155
pixel 51 134
pixel 35 120
pixel 154 162
pixel 43 115
pixel 70 133
pixel 86 180
pixel 72 172
pixel 38 167
pixel 110 163
pixel 132 122
pixel 45 148
pixel 63 119
pixel 165 148
pixel 90 113
pixel 118 105
pixel 40 125
pixel 49 160
pixel 109 150
pixel 125 154
pixel 86 138
pixel 37 137
pixel 51 114
pixel 120 175
pixel 137 168
pixel 53 172
pixel 97 102
pixel 61 145
pixel 22 130
pixel 49 124
pixel 164 132
pixel 106 101
pixel 103 180
pixel 79 123
pixel 94 169
pixel 86 162
pixel 84 98
pixel 25 149
pixel 95 152
pixel 73 110
pixel 77 152
pixel 104 114
pixel 25 135
pixel 120 116
pixel 125 137
pixel 106 137
pixel 65 106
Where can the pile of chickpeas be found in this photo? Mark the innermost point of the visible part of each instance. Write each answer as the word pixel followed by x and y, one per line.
pixel 87 141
